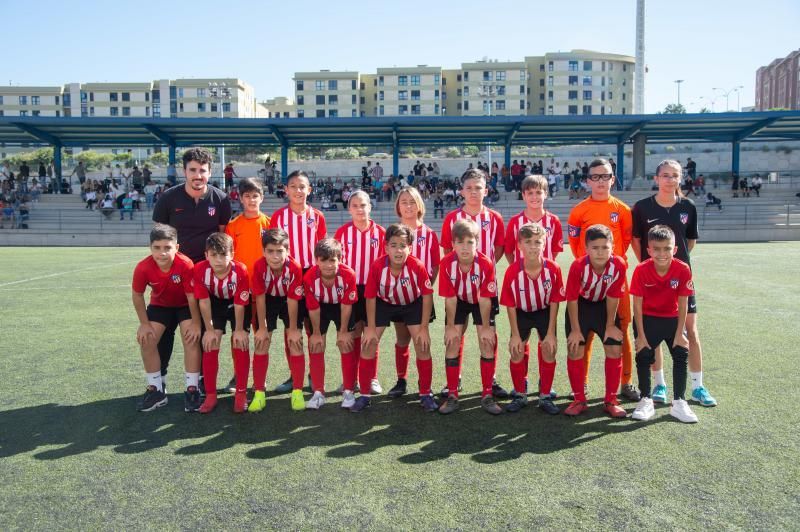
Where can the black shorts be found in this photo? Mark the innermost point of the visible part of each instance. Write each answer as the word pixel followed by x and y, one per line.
pixel 386 313
pixel 464 309
pixel 691 308
pixel 657 330
pixel 222 313
pixel 332 312
pixel 278 308
pixel 169 317
pixel 592 317
pixel 527 321
pixel 360 306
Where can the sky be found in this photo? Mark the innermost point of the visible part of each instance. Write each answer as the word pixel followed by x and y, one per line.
pixel 707 43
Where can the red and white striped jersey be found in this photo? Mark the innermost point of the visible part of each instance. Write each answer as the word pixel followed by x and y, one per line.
pixel 361 248
pixel 288 284
pixel 490 223
pixel 343 289
pixel 554 243
pixel 468 286
pixel 402 289
pixel 583 281
pixel 304 230
pixel 528 294
pixel 426 248
pixel 233 286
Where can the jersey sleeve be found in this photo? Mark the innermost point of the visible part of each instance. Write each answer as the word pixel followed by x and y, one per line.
pixel 557 238
pixel 139 283
pixel 574 281
pixel 692 232
pixel 200 290
pixel 259 271
pixel 617 288
pixel 574 223
pixel 322 226
pixel 626 226
pixel 187 279
pixel 636 220
pixel 161 210
pixel 295 290
pixel 446 288
pixel 436 255
pixel 350 295
pixel 488 286
pixel 425 286
pixel 242 295
pixel 507 298
pixel 371 288
pixel 558 294
pixel 340 233
pixel 447 239
pixel 225 210
pixel 511 237
pixel 500 233
pixel 312 303
pixel 636 288
pixel 686 287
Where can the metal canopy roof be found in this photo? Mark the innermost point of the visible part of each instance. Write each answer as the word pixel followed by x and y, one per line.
pixel 404 130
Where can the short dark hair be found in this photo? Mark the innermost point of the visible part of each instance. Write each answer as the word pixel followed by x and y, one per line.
pixel 597 232
pixel 472 173
pixel 327 249
pixel 275 236
pixel 200 155
pixel 660 233
pixel 298 174
pixel 600 162
pixel 249 184
pixel 530 230
pixel 219 243
pixel 534 182
pixel 464 228
pixel 403 231
pixel 163 232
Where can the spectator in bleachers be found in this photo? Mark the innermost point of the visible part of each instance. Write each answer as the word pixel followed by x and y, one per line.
pixel 23 215
pixel 755 185
pixel 127 206
pixel 150 194
pixel 7 210
pixel 107 206
pixel 700 184
pixel 711 199
pixel 91 199
pixel 744 187
pixel 735 185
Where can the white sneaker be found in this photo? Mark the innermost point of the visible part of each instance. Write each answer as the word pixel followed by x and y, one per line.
pixel 375 387
pixel 348 399
pixel 644 409
pixel 316 401
pixel 680 410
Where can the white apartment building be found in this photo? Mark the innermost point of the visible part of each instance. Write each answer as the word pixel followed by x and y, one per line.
pixel 408 91
pixel 327 94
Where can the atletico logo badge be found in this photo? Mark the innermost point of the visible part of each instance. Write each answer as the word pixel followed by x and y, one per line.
pixel 684 218
pixel 231 286
pixel 212 211
pixel 606 278
pixel 176 278
pixel 548 230
pixel 473 278
pixel 339 290
pixel 373 242
pixel 403 281
pixel 614 217
pixel 420 240
pixel 285 280
pixel 673 283
pixel 245 295
pixel 310 221
pixel 428 284
pixel 547 284
pixel 484 224
pixel 573 231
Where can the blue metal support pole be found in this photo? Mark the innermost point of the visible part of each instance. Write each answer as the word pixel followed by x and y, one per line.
pixel 396 159
pixel 735 157
pixel 172 154
pixel 507 156
pixel 284 162
pixel 620 165
pixel 57 168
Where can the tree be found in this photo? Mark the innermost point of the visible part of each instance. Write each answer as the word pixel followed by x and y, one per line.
pixel 674 109
pixel 471 151
pixel 93 160
pixel 159 159
pixel 705 110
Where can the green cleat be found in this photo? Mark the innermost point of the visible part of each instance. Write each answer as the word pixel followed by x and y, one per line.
pixel 258 403
pixel 298 402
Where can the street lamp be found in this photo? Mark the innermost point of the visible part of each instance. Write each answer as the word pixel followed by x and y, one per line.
pixel 220 92
pixel 678 82
pixel 728 93
pixel 488 90
pixel 711 100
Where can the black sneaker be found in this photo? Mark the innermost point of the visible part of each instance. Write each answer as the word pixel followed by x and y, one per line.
pixel 445 393
pixel 398 390
pixel 231 387
pixel 546 404
pixel 498 391
pixel 191 399
pixel 518 402
pixel 152 399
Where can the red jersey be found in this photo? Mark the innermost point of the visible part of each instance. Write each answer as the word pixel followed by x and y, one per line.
pixel 660 294
pixel 530 295
pixel 426 248
pixel 304 230
pixel 289 283
pixel 167 289
pixel 468 286
pixel 343 289
pixel 361 248
pixel 583 281
pixel 403 289
pixel 490 223
pixel 234 285
pixel 554 243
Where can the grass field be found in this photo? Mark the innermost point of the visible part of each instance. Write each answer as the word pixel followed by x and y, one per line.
pixel 75 454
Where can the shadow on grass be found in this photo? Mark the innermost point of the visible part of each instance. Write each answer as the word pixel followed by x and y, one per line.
pixel 53 431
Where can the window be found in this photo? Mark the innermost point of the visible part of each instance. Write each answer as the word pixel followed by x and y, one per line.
pixel 623 96
pixel 353 99
pixel 415 80
pixel 458 92
pixel 549 66
pixel 549 95
pixel 333 85
pixel 587 81
pixel 83 109
pixel 402 80
pixel 415 109
pixel 23 113
pixel 572 110
pixel 458 106
pixel 623 111
pixel 114 96
pixel 402 109
pixel 415 95
pixel 380 81
pixel 156 110
pixel 320 113
pixel 320 99
pixel 587 65
pixel 180 92
pixel 380 95
pixel 541 96
pixel 402 95
pixel 624 67
pixel 603 96
pixel 522 104
pixel 301 114
pixel 436 95
pixel 501 90
pixel 603 81
pixel 500 75
pixel 147 96
pixel 354 113
pixel 301 100
pixel 610 81
pixel 23 100
pixel 488 75
pixel 319 85
pixel 115 110
pixel 573 80
pixel 573 95
pixel 549 81
pixel 466 92
pixel 602 110
pixel 610 95
pixel 458 77
pixel 587 95
pixel 58 113
pixel 610 67
pixel 573 66
pixel 35 100
pixel 333 113
pixel 1 99
pixel 363 100
pixel 201 107
pixel 35 112
pixel 201 93
pixel 587 109
pixel 380 110
pixel 541 82
pixel 333 99
pixel 353 84
pixel 550 109
pixel 436 79
pixel 624 82
pixel 180 107
pixel 83 96
pixel 126 111
pixel 500 105
pixel 436 109
pixel 541 67
pixel 173 92
pixel 541 110
pixel 466 76
pixel 226 107
pixel 522 89
pixel 299 84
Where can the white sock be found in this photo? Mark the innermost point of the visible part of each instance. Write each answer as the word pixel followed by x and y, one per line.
pixel 658 377
pixel 697 379
pixel 154 379
pixel 192 379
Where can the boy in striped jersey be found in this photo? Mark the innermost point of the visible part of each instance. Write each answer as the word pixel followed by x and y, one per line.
pixel 469 288
pixel 278 289
pixel 398 290
pixel 594 286
pixel 222 289
pixel 532 290
pixel 330 288
pixel 361 242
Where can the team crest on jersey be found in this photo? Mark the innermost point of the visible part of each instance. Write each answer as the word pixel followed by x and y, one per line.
pixel 428 284
pixel 673 283
pixel 684 218
pixel 404 281
pixel 176 278
pixel 285 280
pixel 299 290
pixel 420 240
pixel 547 284
pixel 310 221
pixel 548 230
pixel 244 295
pixel 606 278
pixel 231 286
pixel 373 242
pixel 690 285
pixel 212 211
pixel 339 290
pixel 474 278
pixel 485 224
pixel 614 217
pixel 573 231
pixel 492 286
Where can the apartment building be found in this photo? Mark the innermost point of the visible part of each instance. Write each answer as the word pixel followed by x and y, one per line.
pixel 778 84
pixel 31 101
pixel 280 107
pixel 493 88
pixel 409 91
pixel 327 94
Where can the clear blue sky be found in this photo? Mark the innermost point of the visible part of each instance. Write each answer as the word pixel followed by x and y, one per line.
pixel 708 43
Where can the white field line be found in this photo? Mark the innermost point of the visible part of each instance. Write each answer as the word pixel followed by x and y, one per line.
pixel 62 288
pixel 58 274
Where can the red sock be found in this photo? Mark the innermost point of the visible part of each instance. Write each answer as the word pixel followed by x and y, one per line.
pixel 425 370
pixel 461 351
pixel 241 368
pixel 260 365
pixel 366 369
pixel 286 347
pixel 613 377
pixel 210 370
pixel 357 355
pixel 452 369
pixel 317 363
pixel 547 372
pixel 487 375
pixel 297 366
pixel 575 370
pixel 517 375
pixel 349 370
pixel 377 355
pixel 401 357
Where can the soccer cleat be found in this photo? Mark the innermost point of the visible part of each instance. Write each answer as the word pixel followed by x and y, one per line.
pixel 208 405
pixel 258 403
pixel 701 395
pixel 316 401
pixel 361 403
pixel 585 391
pixel 191 399
pixel 231 387
pixel 546 404
pixel 240 402
pixel 375 387
pixel 576 408
pixel 498 391
pixel 518 402
pixel 614 410
pixel 644 409
pixel 428 403
pixel 298 402
pixel 489 404
pixel 449 406
pixel 445 393
pixel 152 399
pixel 630 392
pixel 553 393
pixel 348 399
pixel 680 410
pixel 399 389
pixel 659 394
pixel 285 386
pixel 340 389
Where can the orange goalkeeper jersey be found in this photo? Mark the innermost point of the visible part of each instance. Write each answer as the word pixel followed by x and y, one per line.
pixel 613 213
pixel 246 234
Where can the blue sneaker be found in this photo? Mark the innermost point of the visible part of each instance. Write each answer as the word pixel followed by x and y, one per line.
pixel 361 403
pixel 285 386
pixel 428 403
pixel 659 394
pixel 702 396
